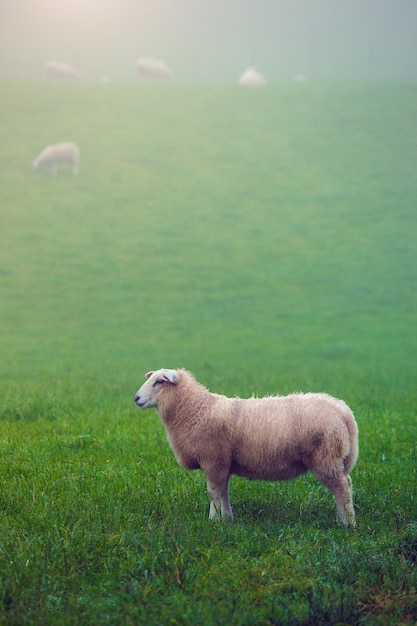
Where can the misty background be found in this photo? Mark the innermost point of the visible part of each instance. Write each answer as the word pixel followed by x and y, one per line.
pixel 212 40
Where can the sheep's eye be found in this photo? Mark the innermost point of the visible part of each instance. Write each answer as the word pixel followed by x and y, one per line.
pixel 157 382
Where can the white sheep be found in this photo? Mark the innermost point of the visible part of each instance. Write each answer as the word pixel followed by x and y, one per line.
pixel 59 70
pixel 272 438
pixel 252 78
pixel 299 78
pixel 153 69
pixel 58 153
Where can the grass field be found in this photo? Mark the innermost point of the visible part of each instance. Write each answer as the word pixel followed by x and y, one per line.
pixel 265 240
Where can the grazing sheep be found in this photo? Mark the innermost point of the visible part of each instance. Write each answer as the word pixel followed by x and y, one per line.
pixel 272 438
pixel 252 78
pixel 299 78
pixel 61 71
pixel 58 153
pixel 153 69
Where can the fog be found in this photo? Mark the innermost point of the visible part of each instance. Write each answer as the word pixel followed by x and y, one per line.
pixel 212 40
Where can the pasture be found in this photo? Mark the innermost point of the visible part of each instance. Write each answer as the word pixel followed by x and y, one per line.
pixel 264 239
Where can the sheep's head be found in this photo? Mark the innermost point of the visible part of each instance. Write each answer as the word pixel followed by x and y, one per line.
pixel 147 396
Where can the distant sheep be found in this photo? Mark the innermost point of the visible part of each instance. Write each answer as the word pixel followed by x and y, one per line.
pixel 61 71
pixel 153 69
pixel 272 438
pixel 58 153
pixel 252 78
pixel 299 78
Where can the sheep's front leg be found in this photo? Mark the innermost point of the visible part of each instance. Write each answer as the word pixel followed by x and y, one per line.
pixel 218 492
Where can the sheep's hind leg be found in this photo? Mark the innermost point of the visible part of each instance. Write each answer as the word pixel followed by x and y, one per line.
pixel 218 492
pixel 341 487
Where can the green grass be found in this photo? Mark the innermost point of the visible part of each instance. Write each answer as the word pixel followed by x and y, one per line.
pixel 265 240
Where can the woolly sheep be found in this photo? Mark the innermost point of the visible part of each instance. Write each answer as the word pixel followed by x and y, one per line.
pixel 252 78
pixel 299 78
pixel 59 70
pixel 58 153
pixel 272 438
pixel 153 69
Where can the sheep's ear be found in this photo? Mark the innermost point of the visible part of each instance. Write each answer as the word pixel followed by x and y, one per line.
pixel 171 376
pixel 148 375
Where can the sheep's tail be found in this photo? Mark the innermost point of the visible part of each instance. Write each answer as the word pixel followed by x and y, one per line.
pixel 352 428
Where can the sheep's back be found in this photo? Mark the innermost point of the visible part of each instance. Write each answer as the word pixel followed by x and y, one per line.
pixel 281 437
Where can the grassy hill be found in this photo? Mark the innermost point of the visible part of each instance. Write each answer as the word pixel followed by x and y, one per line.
pixel 265 240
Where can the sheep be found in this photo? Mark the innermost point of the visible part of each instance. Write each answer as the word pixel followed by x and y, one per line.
pixel 299 78
pixel 58 153
pixel 59 70
pixel 271 438
pixel 153 69
pixel 252 78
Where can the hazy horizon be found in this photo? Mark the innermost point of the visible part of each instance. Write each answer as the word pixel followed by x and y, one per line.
pixel 212 41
